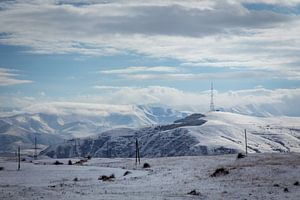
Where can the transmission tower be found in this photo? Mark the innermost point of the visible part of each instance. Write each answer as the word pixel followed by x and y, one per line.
pixel 212 106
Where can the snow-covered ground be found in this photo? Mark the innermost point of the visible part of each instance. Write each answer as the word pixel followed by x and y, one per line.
pixel 258 176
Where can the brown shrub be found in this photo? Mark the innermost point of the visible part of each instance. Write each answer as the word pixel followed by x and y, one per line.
pixel 220 172
pixel 194 192
pixel 58 163
pixel 146 165
pixel 126 173
pixel 107 178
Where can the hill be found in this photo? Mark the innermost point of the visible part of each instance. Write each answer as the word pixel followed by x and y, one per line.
pixel 197 134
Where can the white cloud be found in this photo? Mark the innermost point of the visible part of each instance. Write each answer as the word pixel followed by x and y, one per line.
pixel 137 69
pixel 10 77
pixel 199 101
pixel 278 2
pixel 205 33
pixel 114 99
pixel 88 109
pixel 106 87
pixel 207 76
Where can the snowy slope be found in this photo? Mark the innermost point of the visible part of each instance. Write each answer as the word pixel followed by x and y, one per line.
pixel 213 133
pixel 264 134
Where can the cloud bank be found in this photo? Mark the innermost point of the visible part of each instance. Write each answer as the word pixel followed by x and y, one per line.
pixel 197 33
pixel 274 102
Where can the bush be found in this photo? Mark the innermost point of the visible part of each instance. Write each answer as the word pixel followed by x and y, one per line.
pixel 70 162
pixel 194 192
pixel 107 178
pixel 89 157
pixel 58 163
pixel 1 168
pixel 112 176
pixel 146 165
pixel 296 183
pixel 126 173
pixel 240 155
pixel 75 179
pixel 220 172
pixel 80 162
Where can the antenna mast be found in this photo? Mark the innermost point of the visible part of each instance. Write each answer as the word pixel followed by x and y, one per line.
pixel 212 106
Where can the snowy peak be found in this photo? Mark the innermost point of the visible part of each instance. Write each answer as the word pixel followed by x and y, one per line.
pixel 68 124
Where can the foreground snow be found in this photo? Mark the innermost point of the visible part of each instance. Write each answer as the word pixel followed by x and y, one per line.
pixel 254 177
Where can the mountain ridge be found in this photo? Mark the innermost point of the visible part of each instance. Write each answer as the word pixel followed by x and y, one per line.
pixel 49 128
pixel 198 134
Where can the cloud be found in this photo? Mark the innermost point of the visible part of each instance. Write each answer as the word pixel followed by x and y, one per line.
pixel 187 72
pixel 205 33
pixel 88 109
pixel 138 69
pixel 259 74
pixel 121 99
pixel 106 87
pixel 9 77
pixel 275 2
pixel 279 99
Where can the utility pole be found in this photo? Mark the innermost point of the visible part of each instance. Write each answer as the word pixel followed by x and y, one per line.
pixel 35 148
pixel 137 152
pixel 246 147
pixel 107 149
pixel 75 148
pixel 19 158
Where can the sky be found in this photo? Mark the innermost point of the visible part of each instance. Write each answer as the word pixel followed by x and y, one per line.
pixel 150 52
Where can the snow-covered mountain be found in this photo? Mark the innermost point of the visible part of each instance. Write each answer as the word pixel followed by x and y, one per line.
pixel 197 134
pixel 259 110
pixel 53 127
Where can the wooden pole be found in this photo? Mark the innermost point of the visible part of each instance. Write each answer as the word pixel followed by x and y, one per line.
pixel 35 148
pixel 137 152
pixel 107 149
pixel 136 156
pixel 246 147
pixel 75 148
pixel 19 158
